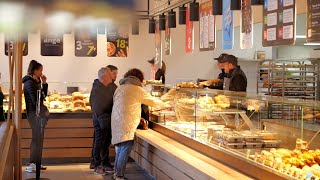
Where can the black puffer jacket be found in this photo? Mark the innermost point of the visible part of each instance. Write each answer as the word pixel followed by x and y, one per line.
pixel 238 80
pixel 31 86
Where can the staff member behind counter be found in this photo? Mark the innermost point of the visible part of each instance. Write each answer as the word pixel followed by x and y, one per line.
pixel 160 72
pixel 231 78
pixel 235 79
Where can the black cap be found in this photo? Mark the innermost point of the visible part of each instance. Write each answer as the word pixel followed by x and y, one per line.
pixel 220 57
pixel 151 61
pixel 230 59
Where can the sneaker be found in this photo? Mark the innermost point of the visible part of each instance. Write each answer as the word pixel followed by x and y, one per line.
pixel 108 168
pixel 115 177
pixel 31 168
pixel 91 165
pixel 100 171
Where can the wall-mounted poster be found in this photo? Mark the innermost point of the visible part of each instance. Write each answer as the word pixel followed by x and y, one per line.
pixel 313 21
pixel 227 25
pixel 207 27
pixel 118 40
pixel 189 33
pixel 51 44
pixel 85 43
pixel 279 22
pixel 10 40
pixel 158 44
pixel 167 47
pixel 246 34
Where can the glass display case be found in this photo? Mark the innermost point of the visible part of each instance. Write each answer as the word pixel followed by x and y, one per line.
pixel 62 97
pixel 234 128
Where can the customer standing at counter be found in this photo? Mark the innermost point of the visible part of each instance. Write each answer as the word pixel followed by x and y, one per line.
pixel 34 81
pixel 114 75
pixel 235 79
pixel 101 101
pixel 158 73
pixel 126 114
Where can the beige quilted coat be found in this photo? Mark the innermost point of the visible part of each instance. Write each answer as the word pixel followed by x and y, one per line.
pixel 126 111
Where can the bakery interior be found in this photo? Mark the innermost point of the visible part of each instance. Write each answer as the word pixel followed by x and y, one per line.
pixel 270 131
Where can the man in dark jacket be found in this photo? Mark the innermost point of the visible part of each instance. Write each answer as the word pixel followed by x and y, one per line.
pixel 114 75
pixel 101 101
pixel 235 79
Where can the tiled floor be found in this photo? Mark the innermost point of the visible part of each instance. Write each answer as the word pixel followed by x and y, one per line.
pixel 82 172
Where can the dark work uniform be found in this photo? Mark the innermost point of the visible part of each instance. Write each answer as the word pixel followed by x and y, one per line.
pixel 160 76
pixel 238 80
pixel 220 84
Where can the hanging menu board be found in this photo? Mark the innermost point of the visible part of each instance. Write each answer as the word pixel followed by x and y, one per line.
pixel 313 21
pixel 167 48
pixel 207 27
pixel 227 25
pixel 246 35
pixel 51 44
pixel 158 50
pixel 279 22
pixel 189 33
pixel 85 43
pixel 118 40
pixel 10 40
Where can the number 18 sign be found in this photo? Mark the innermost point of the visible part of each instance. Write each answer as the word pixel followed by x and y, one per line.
pixel 118 40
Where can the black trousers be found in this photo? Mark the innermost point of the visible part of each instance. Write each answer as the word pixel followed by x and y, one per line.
pixel 102 141
pixel 36 142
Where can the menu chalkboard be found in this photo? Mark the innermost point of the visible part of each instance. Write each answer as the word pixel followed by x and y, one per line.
pixel 207 27
pixel 279 21
pixel 10 40
pixel 313 21
pixel 85 43
pixel 118 40
pixel 51 44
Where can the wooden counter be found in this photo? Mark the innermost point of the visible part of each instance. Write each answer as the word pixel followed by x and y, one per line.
pixel 165 158
pixel 67 136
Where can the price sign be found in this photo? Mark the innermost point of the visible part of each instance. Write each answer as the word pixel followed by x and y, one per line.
pixel 246 35
pixel 189 33
pixel 118 40
pixel 10 40
pixel 207 27
pixel 227 25
pixel 51 44
pixel 85 44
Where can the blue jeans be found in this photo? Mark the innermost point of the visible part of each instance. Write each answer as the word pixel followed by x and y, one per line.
pixel 122 154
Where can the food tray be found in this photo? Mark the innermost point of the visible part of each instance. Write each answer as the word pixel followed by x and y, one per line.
pixel 253 144
pixel 234 145
pixel 231 137
pixel 271 143
pixel 266 135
